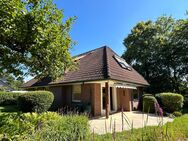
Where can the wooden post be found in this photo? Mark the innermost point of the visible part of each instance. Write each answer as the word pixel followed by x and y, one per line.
pixel 107 99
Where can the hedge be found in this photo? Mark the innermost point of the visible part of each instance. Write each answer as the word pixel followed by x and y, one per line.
pixel 140 103
pixel 171 101
pixel 35 101
pixel 9 98
pixel 149 103
pixel 47 126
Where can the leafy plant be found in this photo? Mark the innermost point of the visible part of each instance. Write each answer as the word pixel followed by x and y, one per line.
pixel 47 126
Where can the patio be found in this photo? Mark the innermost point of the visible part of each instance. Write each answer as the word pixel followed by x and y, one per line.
pixel 133 119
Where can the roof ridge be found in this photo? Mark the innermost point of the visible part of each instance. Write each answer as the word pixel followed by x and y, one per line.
pixel 106 62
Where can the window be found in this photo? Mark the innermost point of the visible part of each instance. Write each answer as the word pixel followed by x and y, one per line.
pixel 122 63
pixel 76 93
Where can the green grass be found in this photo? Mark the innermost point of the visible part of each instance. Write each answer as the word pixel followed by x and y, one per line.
pixel 9 108
pixel 176 130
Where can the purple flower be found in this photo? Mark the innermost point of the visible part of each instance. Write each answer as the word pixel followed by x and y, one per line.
pixel 158 109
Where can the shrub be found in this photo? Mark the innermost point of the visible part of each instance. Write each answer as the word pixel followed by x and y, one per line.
pixel 36 101
pixel 149 104
pixel 171 101
pixel 9 98
pixel 177 114
pixel 140 102
pixel 46 126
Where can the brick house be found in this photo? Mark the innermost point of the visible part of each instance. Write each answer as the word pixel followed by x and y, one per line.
pixel 103 79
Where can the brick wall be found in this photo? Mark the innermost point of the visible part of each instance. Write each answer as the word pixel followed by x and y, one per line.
pixel 124 99
pixel 92 93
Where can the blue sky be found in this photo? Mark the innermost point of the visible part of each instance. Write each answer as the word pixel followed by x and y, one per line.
pixel 108 22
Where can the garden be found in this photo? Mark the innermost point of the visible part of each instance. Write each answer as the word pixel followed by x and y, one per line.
pixel 28 116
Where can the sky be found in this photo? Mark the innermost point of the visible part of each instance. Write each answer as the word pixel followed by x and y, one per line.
pixel 108 22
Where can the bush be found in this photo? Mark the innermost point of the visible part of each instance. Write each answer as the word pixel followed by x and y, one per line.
pixel 171 101
pixel 36 101
pixel 157 96
pixel 149 104
pixel 47 126
pixel 140 102
pixel 177 114
pixel 9 98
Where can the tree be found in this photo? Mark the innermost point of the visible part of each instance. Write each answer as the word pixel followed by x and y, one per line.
pixel 33 38
pixel 155 50
pixel 13 82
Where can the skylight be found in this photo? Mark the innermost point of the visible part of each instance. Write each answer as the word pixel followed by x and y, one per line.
pixel 122 63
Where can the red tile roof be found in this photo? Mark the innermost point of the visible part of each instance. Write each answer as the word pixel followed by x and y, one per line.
pixel 98 64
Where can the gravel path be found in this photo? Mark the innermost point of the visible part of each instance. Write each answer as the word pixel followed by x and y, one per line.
pixel 136 119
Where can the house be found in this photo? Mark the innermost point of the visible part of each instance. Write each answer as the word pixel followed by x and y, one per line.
pixel 4 85
pixel 103 79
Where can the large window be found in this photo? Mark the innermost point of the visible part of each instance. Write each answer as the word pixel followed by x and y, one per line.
pixel 76 93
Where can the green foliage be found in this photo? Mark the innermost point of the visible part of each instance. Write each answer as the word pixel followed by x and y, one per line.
pixel 177 114
pixel 46 126
pixel 36 101
pixel 149 103
pixel 34 38
pixel 171 101
pixel 14 82
pixel 3 88
pixel 159 51
pixel 9 108
pixel 140 103
pixel 9 98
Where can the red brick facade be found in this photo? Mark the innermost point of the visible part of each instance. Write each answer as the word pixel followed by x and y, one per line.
pixel 124 99
pixel 91 93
